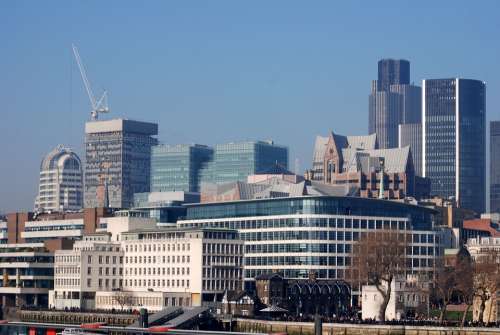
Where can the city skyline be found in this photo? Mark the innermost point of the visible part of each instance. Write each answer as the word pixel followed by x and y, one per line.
pixel 176 73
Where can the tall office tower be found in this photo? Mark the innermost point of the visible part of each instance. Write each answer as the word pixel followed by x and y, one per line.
pixel 393 101
pixel 118 161
pixel 384 116
pixel 495 166
pixel 410 134
pixel 236 161
pixel 178 167
pixel 61 184
pixel 392 71
pixel 411 108
pixel 454 140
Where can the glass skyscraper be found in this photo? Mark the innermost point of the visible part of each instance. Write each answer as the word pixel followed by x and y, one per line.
pixel 454 140
pixel 178 167
pixel 186 167
pixel 495 166
pixel 235 161
pixel 393 101
pixel 392 71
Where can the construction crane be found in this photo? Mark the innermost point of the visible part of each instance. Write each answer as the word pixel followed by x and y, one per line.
pixel 98 106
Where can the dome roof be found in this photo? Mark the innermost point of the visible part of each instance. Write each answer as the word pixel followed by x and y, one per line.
pixel 60 157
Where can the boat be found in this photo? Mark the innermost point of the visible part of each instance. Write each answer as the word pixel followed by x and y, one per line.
pixel 76 331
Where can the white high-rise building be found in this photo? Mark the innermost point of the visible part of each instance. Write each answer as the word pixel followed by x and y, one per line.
pixel 61 181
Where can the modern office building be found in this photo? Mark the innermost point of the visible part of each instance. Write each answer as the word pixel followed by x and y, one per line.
pixel 61 181
pixel 410 134
pixel 178 167
pixel 392 71
pixel 393 101
pixel 164 207
pixel 27 271
pixel 117 161
pixel 454 140
pixel 495 167
pixel 355 162
pixel 297 236
pixel 236 161
pixel 384 116
pixel 188 167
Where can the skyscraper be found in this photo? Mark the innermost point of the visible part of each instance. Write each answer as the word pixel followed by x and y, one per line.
pixel 410 134
pixel 61 183
pixel 495 166
pixel 392 71
pixel 393 101
pixel 384 117
pixel 454 140
pixel 178 167
pixel 118 161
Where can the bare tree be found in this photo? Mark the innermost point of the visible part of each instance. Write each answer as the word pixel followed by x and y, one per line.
pixel 377 258
pixel 486 280
pixel 122 298
pixel 464 270
pixel 445 287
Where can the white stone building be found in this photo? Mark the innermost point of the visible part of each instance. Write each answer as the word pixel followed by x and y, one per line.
pixel 408 296
pixel 479 247
pixel 135 264
pixel 61 181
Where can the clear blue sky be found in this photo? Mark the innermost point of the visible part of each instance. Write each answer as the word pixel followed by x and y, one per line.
pixel 216 71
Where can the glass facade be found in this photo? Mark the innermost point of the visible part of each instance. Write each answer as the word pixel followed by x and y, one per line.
pixel 297 235
pixel 495 167
pixel 455 140
pixel 178 167
pixel 236 161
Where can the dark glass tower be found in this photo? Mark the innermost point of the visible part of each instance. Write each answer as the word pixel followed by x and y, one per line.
pixel 393 101
pixel 495 166
pixel 391 72
pixel 454 140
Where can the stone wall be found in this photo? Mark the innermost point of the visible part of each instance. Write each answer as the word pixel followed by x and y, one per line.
pixel 307 328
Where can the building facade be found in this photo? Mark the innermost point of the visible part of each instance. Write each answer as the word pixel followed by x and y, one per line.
pixel 315 234
pixel 178 167
pixel 117 161
pixel 61 182
pixel 154 267
pixel 454 140
pixel 27 274
pixel 355 162
pixel 393 101
pixel 410 134
pixel 495 167
pixel 392 71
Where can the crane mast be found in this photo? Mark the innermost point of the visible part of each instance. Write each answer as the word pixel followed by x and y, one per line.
pixel 98 106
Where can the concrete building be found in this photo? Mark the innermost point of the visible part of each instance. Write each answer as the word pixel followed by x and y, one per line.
pixel 132 263
pixel 454 140
pixel 409 297
pixel 27 274
pixel 117 161
pixel 495 166
pixel 61 182
pixel 355 161
pixel 410 134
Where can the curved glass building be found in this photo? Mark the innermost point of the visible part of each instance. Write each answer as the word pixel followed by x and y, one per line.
pixel 61 182
pixel 297 235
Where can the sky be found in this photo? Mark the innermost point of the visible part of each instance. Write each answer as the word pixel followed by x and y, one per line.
pixel 217 71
